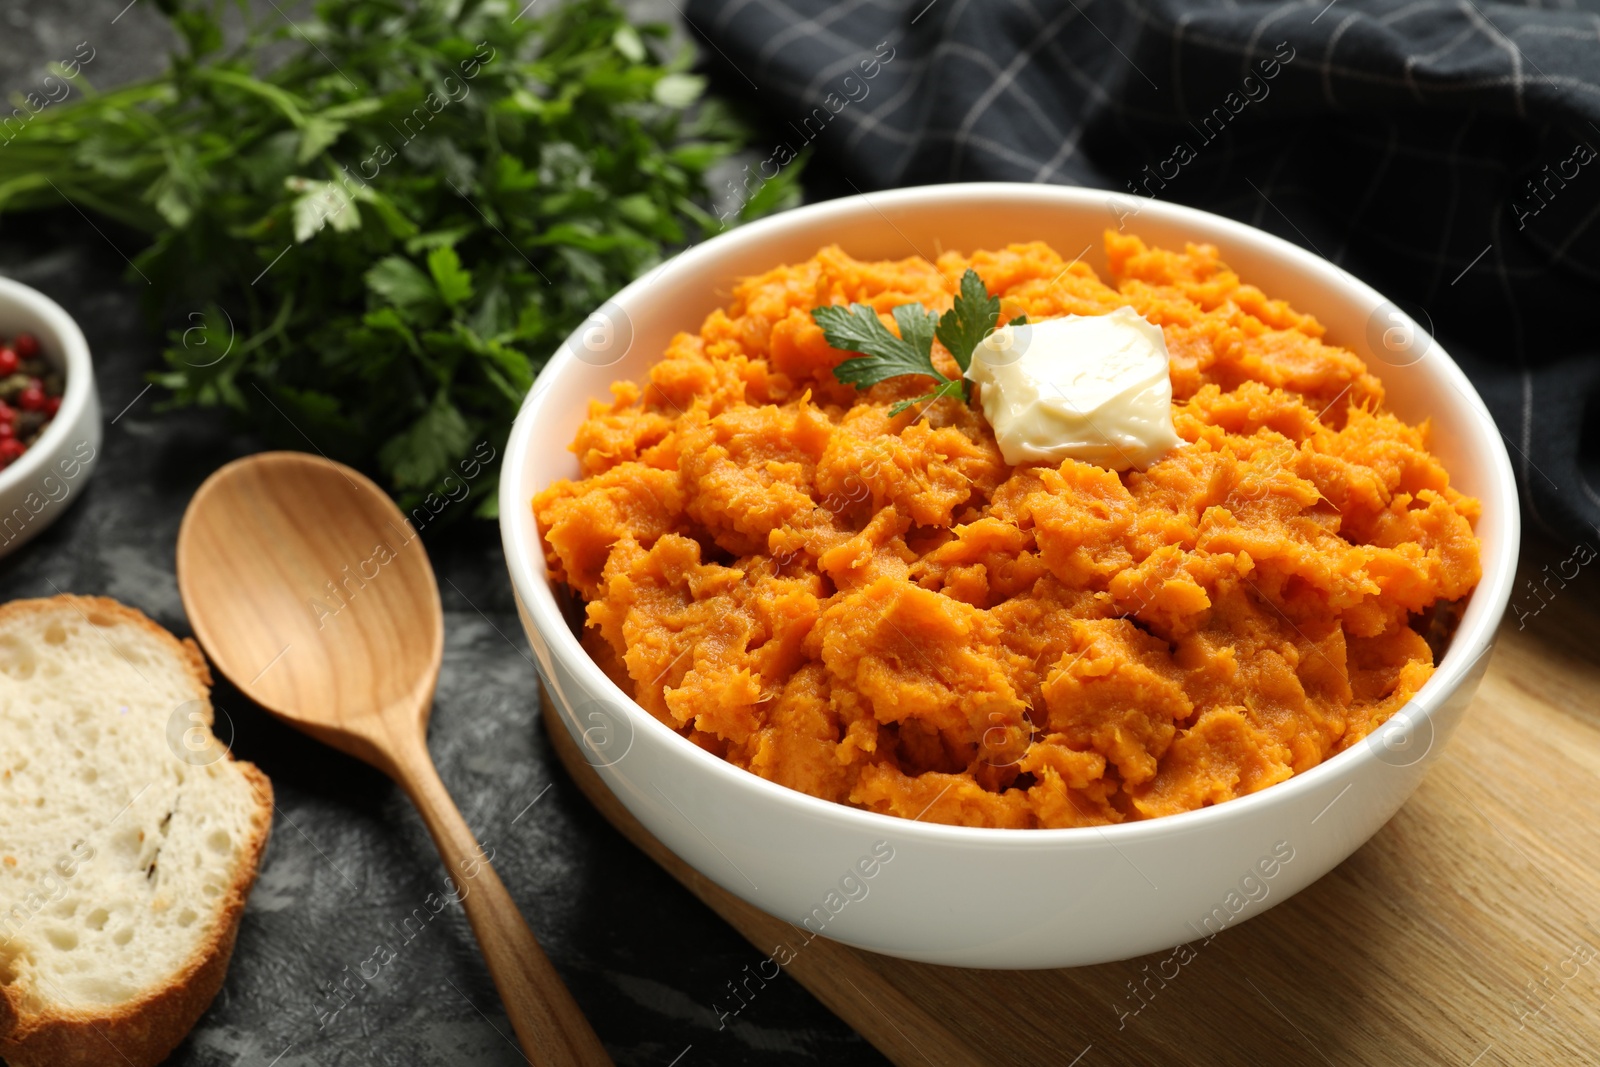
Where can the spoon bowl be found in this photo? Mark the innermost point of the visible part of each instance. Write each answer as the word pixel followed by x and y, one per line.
pixel 332 622
pixel 313 595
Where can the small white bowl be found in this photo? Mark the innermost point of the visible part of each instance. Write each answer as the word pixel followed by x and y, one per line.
pixel 983 897
pixel 39 487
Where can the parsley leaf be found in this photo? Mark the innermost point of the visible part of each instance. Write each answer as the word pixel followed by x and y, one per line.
pixel 422 455
pixel 455 283
pixel 858 329
pixel 397 280
pixel 969 319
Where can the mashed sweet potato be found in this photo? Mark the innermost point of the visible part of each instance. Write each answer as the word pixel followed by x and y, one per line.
pixel 880 612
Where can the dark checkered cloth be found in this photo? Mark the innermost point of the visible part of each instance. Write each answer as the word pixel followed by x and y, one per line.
pixel 1445 151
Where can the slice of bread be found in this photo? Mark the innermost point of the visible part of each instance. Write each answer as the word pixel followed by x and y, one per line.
pixel 129 837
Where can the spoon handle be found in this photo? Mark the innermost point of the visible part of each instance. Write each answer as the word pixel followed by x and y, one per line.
pixel 549 1024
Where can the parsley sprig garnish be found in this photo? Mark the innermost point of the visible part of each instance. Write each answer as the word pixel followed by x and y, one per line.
pixel 857 328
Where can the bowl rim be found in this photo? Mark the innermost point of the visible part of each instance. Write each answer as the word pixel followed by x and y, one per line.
pixel 78 387
pixel 1469 645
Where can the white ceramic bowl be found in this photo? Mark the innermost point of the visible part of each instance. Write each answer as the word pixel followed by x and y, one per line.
pixel 39 487
pixel 981 897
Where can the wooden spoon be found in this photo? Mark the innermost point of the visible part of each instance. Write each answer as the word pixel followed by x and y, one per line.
pixel 312 593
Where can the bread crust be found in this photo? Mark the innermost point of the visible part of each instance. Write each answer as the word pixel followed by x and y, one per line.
pixel 142 1032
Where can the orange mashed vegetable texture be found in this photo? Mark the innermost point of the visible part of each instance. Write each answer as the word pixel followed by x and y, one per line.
pixel 880 612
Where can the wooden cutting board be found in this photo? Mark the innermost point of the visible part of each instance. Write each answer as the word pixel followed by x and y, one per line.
pixel 1467 932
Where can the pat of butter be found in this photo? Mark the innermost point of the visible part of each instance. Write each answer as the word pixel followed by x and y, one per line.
pixel 1087 387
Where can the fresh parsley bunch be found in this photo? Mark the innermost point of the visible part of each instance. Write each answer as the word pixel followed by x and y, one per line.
pixel 374 224
pixel 972 317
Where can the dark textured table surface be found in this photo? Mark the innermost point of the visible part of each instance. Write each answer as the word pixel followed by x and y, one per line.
pixel 349 859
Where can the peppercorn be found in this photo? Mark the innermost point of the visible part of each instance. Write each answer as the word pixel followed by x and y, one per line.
pixel 30 396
